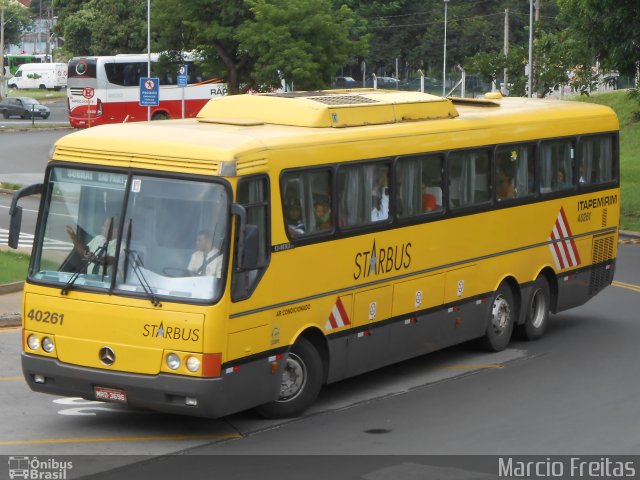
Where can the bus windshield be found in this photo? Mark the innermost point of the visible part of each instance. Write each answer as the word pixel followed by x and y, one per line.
pixel 169 239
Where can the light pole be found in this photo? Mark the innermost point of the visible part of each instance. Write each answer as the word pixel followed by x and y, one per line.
pixel 444 61
pixel 1 50
pixel 148 51
pixel 529 82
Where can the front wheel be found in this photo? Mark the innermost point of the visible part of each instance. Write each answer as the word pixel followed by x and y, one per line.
pixel 537 311
pixel 501 320
pixel 301 382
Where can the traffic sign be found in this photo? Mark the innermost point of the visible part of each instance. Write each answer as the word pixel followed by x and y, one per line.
pixel 87 92
pixel 182 75
pixel 149 91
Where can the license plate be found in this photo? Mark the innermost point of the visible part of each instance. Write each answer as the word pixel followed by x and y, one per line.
pixel 110 395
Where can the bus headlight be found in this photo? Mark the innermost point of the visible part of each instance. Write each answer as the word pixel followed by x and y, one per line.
pixel 173 361
pixel 193 364
pixel 47 345
pixel 33 342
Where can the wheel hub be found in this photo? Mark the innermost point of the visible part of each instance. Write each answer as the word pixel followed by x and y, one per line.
pixel 500 315
pixel 293 378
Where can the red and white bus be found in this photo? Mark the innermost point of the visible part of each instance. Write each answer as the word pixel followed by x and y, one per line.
pixel 106 89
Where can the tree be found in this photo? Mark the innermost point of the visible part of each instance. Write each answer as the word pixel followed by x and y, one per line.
pixel 16 20
pixel 305 41
pixel 208 28
pixel 608 28
pixel 105 27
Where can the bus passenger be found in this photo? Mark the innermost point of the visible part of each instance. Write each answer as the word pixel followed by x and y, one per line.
pixel 293 213
pixel 206 260
pixel 380 196
pixel 101 249
pixel 322 213
pixel 562 179
pixel 506 189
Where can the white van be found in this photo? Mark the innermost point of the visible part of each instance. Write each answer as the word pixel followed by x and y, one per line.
pixel 52 76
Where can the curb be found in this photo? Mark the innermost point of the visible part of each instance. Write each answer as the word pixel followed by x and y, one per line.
pixel 10 320
pixel 11 287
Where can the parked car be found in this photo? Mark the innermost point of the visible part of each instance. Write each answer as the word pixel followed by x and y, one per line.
pixel 388 83
pixel 345 82
pixel 23 107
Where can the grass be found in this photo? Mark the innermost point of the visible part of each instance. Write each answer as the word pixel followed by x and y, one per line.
pixel 629 153
pixel 40 95
pixel 14 266
pixel 10 186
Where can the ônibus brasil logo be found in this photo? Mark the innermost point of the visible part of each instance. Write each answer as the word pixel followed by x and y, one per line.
pixel 34 468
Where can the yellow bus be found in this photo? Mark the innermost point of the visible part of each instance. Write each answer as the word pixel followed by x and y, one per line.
pixel 280 242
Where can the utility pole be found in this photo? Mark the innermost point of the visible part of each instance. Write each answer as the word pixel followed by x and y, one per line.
pixel 505 90
pixel 1 49
pixel 537 17
pixel 530 66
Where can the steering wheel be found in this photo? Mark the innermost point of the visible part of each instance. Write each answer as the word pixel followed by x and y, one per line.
pixel 175 272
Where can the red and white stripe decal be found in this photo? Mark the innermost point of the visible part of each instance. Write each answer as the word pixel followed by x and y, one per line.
pixel 563 247
pixel 338 317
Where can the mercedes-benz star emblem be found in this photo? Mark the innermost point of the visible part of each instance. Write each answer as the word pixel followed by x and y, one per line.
pixel 107 356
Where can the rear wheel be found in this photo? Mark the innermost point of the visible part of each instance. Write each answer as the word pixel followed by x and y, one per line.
pixel 159 116
pixel 42 86
pixel 301 382
pixel 5 114
pixel 501 319
pixel 537 311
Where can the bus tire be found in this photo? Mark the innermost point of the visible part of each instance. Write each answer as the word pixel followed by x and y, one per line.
pixel 501 320
pixel 42 86
pixel 537 311
pixel 301 382
pixel 160 116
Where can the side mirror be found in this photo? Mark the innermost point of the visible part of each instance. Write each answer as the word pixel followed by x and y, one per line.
pixel 15 212
pixel 14 228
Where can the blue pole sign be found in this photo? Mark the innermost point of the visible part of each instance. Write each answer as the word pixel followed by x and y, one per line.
pixel 149 91
pixel 183 73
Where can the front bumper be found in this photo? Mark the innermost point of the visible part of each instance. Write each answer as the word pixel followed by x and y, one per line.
pixel 217 397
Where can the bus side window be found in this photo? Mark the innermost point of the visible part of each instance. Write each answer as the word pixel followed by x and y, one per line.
pixel 556 161
pixel 364 194
pixel 514 171
pixel 253 195
pixel 418 185
pixel 306 202
pixel 469 179
pixel 596 160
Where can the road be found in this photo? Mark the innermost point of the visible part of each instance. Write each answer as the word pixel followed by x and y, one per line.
pixel 574 392
pixel 24 154
pixel 59 116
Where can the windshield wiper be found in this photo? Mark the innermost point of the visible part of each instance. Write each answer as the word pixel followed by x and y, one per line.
pixel 132 257
pixel 84 262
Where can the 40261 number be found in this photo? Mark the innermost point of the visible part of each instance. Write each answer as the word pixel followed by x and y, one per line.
pixel 45 316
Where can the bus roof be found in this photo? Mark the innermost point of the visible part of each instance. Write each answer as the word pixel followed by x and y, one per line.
pixel 242 127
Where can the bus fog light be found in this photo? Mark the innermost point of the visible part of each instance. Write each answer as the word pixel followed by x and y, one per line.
pixel 38 378
pixel 193 364
pixel 173 361
pixel 192 402
pixel 47 345
pixel 33 342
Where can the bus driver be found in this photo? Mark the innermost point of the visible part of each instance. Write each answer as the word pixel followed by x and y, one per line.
pixel 206 260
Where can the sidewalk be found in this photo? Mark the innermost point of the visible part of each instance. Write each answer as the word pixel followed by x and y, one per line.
pixel 10 308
